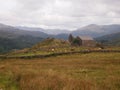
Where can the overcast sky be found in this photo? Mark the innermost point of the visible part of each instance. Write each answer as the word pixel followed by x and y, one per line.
pixel 63 14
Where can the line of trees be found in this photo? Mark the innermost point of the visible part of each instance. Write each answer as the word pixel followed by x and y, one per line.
pixel 75 41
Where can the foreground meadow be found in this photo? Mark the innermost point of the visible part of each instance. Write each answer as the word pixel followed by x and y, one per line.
pixel 92 71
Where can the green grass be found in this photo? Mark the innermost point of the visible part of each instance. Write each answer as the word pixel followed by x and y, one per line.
pixel 93 71
pixel 52 46
pixel 46 47
pixel 7 82
pixel 34 52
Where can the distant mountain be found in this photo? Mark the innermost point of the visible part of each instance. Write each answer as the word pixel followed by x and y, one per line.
pixel 92 30
pixel 47 31
pixel 13 38
pixel 110 39
pixel 8 44
pixel 23 37
pixel 62 36
pixel 57 31
pixel 97 30
pixel 13 32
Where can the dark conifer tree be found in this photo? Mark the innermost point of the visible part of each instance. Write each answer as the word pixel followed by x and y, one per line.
pixel 71 38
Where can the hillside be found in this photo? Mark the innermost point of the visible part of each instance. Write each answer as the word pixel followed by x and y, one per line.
pixel 24 37
pixel 13 38
pixel 92 30
pixel 47 46
pixel 8 44
pixel 51 43
pixel 7 31
pixel 47 31
pixel 110 39
pixel 97 30
pixel 19 38
pixel 62 36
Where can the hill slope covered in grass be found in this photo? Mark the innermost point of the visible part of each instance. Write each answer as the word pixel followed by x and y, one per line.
pixel 47 46
pixel 111 39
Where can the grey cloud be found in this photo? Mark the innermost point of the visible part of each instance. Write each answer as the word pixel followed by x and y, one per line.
pixel 63 13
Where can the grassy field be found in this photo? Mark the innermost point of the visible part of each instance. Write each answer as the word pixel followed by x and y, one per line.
pixel 92 71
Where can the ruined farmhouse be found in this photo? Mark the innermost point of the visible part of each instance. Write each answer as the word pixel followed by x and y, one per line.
pixel 82 41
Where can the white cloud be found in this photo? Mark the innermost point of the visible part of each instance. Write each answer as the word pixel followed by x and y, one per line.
pixel 59 13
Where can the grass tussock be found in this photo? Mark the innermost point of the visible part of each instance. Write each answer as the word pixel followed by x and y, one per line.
pixel 93 71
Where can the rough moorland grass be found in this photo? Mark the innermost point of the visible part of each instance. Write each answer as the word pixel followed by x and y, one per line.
pixel 93 71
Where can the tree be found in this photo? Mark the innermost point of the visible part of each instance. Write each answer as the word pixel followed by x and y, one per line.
pixel 77 41
pixel 71 38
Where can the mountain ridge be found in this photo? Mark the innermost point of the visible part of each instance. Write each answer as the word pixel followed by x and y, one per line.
pixel 110 39
pixel 47 31
pixel 10 35
pixel 97 30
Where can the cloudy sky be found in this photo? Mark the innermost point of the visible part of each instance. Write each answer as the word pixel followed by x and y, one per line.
pixel 63 14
